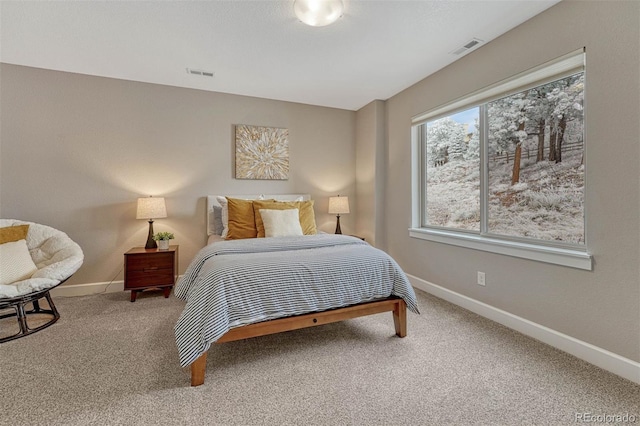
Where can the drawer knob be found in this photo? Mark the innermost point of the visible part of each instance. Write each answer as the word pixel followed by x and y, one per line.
pixel 315 320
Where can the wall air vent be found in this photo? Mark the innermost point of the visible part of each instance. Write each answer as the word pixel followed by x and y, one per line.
pixel 475 42
pixel 200 72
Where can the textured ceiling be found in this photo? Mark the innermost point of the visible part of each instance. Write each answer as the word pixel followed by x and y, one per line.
pixel 255 48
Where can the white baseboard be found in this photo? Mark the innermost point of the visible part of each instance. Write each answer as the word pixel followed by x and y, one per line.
pixel 88 289
pixel 602 358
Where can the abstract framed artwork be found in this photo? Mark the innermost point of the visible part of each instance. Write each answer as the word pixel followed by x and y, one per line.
pixel 262 152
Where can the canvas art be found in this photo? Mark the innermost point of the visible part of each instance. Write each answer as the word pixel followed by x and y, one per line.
pixel 262 152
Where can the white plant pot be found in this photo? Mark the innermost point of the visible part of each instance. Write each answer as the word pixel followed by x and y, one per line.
pixel 163 244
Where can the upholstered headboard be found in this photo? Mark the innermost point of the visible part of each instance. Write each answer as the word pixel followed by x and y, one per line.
pixel 213 207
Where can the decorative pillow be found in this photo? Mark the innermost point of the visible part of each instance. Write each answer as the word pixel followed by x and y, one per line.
pixel 15 262
pixel 225 214
pixel 281 223
pixel 307 218
pixel 242 222
pixel 307 215
pixel 10 234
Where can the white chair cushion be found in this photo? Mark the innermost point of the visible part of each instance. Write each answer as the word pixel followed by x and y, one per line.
pixel 15 262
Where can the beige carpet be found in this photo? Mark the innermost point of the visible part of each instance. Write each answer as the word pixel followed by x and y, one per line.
pixel 109 361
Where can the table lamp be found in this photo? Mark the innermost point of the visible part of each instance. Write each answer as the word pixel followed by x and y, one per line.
pixel 338 205
pixel 151 208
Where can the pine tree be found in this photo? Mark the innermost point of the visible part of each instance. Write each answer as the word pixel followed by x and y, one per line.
pixel 445 141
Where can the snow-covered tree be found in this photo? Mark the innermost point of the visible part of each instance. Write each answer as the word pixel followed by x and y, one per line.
pixel 539 116
pixel 507 124
pixel 566 100
pixel 445 141
pixel 473 148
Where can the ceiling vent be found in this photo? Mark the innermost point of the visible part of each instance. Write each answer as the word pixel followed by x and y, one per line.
pixel 200 72
pixel 472 44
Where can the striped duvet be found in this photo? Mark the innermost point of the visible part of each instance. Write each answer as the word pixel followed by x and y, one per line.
pixel 238 282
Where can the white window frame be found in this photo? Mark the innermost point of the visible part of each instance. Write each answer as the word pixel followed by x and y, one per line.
pixel 559 254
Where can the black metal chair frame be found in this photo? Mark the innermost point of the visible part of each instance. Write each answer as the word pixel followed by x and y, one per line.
pixel 19 303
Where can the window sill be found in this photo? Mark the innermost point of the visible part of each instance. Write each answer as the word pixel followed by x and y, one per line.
pixel 557 256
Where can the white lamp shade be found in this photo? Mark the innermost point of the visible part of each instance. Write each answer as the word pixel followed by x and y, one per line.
pixel 151 208
pixel 338 205
pixel 318 13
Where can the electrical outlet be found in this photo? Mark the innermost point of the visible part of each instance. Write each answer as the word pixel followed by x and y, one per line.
pixel 481 278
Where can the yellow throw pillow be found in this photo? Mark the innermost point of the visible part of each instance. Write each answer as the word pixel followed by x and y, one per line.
pixel 242 223
pixel 305 208
pixel 13 233
pixel 307 217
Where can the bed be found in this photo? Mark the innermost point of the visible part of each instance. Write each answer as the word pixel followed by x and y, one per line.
pixel 241 288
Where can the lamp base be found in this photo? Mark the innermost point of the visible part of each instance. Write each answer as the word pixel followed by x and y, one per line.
pixel 338 230
pixel 151 243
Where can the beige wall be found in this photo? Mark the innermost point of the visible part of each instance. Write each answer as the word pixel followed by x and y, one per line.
pixel 370 172
pixel 78 150
pixel 600 307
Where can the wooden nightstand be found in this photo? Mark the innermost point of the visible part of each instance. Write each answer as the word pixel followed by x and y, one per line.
pixel 144 269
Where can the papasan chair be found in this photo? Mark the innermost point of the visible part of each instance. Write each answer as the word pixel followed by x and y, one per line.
pixel 34 258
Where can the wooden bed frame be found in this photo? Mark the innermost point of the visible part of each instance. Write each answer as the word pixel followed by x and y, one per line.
pixel 397 305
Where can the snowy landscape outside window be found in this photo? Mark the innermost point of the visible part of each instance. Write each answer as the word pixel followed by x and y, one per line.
pixel 536 162
pixel 452 148
pixel 507 163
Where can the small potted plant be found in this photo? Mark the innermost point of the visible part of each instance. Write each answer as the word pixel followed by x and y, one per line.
pixel 163 240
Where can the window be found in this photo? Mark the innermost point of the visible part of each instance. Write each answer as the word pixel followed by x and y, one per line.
pixel 452 158
pixel 503 169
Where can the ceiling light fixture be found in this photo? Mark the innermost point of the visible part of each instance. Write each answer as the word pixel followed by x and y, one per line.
pixel 318 13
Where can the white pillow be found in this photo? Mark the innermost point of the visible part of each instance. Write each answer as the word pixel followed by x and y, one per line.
pixel 225 215
pixel 15 262
pixel 281 223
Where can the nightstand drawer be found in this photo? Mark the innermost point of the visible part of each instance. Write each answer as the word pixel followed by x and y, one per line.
pixel 144 262
pixel 149 277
